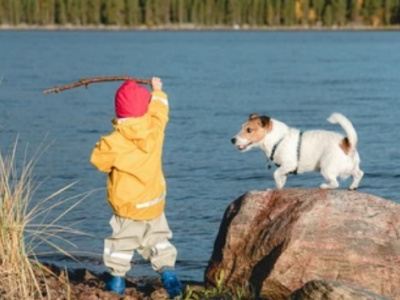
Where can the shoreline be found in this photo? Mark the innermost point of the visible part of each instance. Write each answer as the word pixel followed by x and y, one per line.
pixel 191 27
pixel 84 284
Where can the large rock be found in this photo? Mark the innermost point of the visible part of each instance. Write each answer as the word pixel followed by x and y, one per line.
pixel 332 290
pixel 274 242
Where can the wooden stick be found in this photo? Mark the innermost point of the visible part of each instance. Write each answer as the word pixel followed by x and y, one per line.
pixel 87 81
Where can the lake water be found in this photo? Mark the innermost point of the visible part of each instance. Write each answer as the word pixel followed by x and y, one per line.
pixel 214 81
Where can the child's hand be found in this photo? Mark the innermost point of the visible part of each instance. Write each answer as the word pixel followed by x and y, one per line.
pixel 156 84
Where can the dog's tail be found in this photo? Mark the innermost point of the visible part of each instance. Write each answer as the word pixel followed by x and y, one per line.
pixel 347 126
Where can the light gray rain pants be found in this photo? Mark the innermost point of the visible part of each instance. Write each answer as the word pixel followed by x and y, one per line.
pixel 148 238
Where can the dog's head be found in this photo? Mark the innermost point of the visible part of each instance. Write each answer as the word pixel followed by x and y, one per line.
pixel 253 132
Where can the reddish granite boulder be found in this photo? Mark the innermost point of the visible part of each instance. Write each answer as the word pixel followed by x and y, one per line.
pixel 274 242
pixel 333 290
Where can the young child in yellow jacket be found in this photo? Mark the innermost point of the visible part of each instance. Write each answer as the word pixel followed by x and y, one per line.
pixel 132 157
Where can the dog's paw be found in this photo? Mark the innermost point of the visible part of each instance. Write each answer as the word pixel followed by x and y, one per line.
pixel 324 186
pixel 331 186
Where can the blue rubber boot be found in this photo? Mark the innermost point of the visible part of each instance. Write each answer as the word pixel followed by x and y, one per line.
pixel 171 283
pixel 116 284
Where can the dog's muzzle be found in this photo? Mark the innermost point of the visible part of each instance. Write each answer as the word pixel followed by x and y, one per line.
pixel 239 145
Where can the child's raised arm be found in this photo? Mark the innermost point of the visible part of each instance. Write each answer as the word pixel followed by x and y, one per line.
pixel 158 107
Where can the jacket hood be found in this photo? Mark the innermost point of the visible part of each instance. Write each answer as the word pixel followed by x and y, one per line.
pixel 136 130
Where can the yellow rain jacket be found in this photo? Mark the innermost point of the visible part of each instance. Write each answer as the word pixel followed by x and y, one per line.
pixel 132 157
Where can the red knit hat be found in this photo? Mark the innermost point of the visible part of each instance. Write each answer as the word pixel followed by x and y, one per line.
pixel 131 100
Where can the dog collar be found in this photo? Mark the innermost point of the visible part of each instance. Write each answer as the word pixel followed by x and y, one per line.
pixel 274 149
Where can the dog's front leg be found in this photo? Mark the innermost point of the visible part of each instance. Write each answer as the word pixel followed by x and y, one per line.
pixel 280 175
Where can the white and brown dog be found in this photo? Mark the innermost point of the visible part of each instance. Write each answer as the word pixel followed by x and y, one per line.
pixel 297 152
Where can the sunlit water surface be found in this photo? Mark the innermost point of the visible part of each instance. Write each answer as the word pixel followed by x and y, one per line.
pixel 214 81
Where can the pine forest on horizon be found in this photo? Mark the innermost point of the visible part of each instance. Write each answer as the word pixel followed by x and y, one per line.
pixel 201 13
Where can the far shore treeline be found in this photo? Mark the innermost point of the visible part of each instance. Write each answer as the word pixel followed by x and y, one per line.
pixel 201 13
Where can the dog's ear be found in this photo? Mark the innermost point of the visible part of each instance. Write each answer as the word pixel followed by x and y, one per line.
pixel 253 116
pixel 265 121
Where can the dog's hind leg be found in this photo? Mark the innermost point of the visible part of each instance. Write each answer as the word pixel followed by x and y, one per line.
pixel 356 173
pixel 357 176
pixel 332 181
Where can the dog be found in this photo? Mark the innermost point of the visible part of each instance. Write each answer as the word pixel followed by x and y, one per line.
pixel 294 151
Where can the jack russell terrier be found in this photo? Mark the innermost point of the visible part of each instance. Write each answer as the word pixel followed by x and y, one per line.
pixel 294 151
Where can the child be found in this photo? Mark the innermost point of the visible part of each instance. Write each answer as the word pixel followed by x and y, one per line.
pixel 136 188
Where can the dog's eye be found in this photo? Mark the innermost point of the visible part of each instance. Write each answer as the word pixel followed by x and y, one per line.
pixel 249 130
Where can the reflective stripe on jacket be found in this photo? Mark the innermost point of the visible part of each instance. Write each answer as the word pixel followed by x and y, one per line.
pixel 132 157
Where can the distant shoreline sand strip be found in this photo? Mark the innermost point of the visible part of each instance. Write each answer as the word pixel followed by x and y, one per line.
pixel 193 27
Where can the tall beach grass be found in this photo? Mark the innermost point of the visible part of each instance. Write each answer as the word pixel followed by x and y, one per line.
pixel 21 230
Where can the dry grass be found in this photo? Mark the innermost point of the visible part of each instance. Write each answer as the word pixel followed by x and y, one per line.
pixel 218 292
pixel 21 275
